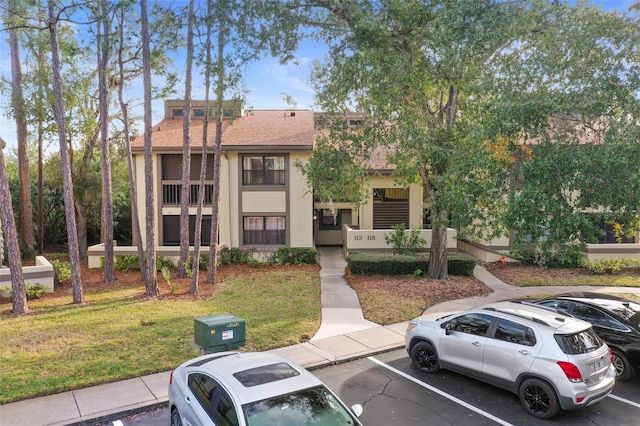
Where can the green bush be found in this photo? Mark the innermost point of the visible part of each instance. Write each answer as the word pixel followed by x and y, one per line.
pixel 461 264
pixel 124 263
pixel 385 263
pixel 61 271
pixel 294 256
pixel 203 263
pixel 235 256
pixel 607 266
pixel 404 242
pixel 33 291
pixel 563 257
pixel 404 264
pixel 165 262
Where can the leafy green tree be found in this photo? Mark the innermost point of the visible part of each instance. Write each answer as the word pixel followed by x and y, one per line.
pixel 412 67
pixel 569 92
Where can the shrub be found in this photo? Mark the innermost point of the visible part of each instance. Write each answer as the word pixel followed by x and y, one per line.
pixel 607 266
pixel 34 291
pixel 385 263
pixel 203 264
pixel 404 242
pixel 563 257
pixel 235 256
pixel 165 262
pixel 461 264
pixel 404 264
pixel 124 263
pixel 294 256
pixel 61 271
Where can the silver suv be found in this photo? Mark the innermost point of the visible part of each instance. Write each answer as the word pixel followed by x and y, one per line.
pixel 550 360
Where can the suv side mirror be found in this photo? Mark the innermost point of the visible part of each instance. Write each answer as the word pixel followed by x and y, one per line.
pixel 447 328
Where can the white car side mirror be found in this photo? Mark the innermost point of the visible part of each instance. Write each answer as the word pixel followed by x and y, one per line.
pixel 357 409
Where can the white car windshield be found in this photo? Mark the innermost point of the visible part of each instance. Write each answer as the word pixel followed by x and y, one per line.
pixel 313 406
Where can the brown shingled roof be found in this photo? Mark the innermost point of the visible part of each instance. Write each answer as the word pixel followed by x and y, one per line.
pixel 291 129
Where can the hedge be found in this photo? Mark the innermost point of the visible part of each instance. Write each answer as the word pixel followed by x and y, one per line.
pixel 364 263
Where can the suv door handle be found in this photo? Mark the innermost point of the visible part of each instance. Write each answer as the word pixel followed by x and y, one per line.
pixel 524 352
pixel 476 344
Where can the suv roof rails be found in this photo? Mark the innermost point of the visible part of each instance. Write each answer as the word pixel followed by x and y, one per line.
pixel 527 317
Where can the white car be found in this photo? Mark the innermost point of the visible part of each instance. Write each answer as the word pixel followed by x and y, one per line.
pixel 550 360
pixel 253 388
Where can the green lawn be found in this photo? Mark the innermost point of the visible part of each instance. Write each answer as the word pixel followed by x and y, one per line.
pixel 118 334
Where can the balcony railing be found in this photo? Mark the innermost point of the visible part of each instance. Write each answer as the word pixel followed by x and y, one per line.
pixel 172 192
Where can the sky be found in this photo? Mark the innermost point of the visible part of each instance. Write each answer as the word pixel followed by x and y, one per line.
pixel 266 82
pixel 266 79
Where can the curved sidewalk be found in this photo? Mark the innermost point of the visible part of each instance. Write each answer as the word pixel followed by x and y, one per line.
pixel 344 335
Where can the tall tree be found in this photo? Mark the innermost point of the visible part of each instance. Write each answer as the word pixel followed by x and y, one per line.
pixel 205 137
pixel 8 228
pixel 151 278
pixel 104 99
pixel 19 113
pixel 67 185
pixel 186 147
pixel 217 151
pixel 124 107
pixel 412 67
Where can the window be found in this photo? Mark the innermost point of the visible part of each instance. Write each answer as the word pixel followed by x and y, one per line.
pixel 215 400
pixel 264 230
pixel 580 343
pixel 178 113
pixel 387 195
pixel 330 219
pixel 198 112
pixel 171 230
pixel 591 315
pixel 510 331
pixel 263 170
pixel 477 324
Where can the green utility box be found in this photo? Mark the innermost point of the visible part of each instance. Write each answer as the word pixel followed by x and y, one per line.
pixel 219 333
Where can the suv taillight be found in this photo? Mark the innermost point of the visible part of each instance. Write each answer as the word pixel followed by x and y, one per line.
pixel 171 377
pixel 571 371
pixel 611 355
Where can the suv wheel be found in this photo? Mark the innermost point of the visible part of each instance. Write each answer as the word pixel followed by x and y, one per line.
pixel 622 366
pixel 538 398
pixel 175 417
pixel 425 357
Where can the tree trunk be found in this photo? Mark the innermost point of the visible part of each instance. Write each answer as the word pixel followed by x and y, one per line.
pixel 8 224
pixel 151 279
pixel 438 257
pixel 186 150
pixel 67 185
pixel 17 103
pixel 215 206
pixel 203 164
pixel 107 200
pixel 133 193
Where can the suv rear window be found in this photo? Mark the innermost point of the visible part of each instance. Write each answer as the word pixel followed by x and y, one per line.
pixel 579 343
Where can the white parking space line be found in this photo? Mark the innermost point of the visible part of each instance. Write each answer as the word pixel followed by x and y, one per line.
pixel 626 401
pixel 441 393
pixel 118 423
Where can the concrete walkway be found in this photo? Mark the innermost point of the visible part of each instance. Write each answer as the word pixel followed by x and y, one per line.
pixel 344 335
pixel 341 312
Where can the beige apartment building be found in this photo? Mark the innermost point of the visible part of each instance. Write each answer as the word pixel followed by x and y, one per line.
pixel 265 201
